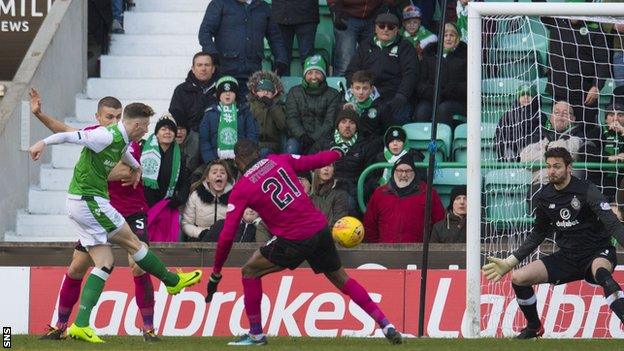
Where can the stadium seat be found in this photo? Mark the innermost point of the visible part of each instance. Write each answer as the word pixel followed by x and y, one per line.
pixel 506 193
pixel 419 137
pixel 445 179
pixel 500 91
pixel 338 83
pixel 290 82
pixel 460 142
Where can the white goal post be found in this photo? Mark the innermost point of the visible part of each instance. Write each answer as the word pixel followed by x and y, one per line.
pixel 472 320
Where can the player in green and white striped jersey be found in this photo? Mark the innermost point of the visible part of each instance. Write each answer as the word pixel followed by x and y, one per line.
pixel 98 224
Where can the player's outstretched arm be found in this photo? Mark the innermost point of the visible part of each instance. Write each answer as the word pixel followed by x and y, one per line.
pixel 36 150
pixel 497 267
pixel 50 122
pixel 321 159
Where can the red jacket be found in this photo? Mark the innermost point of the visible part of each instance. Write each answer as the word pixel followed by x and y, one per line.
pixel 392 219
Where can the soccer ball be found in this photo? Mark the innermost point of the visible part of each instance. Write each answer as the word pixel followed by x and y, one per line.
pixel 348 232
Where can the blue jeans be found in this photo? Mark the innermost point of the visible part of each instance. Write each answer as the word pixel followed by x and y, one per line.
pixel 305 32
pixel 117 9
pixel 618 68
pixel 291 146
pixel 358 30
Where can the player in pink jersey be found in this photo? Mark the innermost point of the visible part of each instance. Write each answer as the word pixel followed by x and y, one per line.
pixel 270 187
pixel 129 201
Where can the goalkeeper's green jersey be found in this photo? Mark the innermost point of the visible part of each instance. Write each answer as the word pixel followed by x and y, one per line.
pixel 105 148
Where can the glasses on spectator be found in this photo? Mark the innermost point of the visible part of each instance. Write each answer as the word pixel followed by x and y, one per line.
pixel 404 171
pixel 388 26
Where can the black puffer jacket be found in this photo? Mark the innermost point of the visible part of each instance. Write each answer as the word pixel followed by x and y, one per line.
pixel 190 99
pixel 295 11
pixel 311 113
pixel 453 74
pixel 395 67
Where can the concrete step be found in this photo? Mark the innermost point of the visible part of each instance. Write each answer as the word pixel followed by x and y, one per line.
pixel 39 227
pixel 86 108
pixel 131 89
pixel 145 66
pixel 155 45
pixel 46 201
pixel 65 155
pixel 170 6
pixel 57 179
pixel 163 22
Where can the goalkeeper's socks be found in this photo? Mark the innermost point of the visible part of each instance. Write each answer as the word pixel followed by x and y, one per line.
pixel 68 296
pixel 528 304
pixel 90 295
pixel 359 295
pixel 144 294
pixel 612 290
pixel 149 262
pixel 252 290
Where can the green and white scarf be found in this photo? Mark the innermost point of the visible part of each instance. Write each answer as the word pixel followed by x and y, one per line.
pixel 227 133
pixel 390 158
pixel 339 140
pixel 382 44
pixel 150 161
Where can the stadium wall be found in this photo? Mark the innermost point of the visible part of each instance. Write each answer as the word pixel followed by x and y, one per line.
pixel 298 303
pixel 56 64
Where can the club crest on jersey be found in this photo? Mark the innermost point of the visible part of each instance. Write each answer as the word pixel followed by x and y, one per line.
pixel 605 206
pixel 230 208
pixel 575 203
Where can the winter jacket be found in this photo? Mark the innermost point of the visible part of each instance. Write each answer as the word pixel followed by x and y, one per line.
pixel 395 67
pixel 514 130
pixel 239 30
pixel 210 125
pixel 311 112
pixel 373 120
pixel 453 74
pixel 578 57
pixel 393 219
pixel 182 187
pixel 359 8
pixel 270 120
pixel 190 99
pixel 332 200
pixel 190 149
pixel 289 12
pixel 203 210
pixel 450 230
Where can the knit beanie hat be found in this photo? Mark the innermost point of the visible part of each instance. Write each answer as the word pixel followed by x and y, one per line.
pixel 395 133
pixel 406 159
pixel 411 11
pixel 266 85
pixel 166 120
pixel 314 62
pixel 227 83
pixel 455 192
pixel 347 113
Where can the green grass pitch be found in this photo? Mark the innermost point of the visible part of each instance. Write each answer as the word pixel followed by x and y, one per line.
pixel 135 343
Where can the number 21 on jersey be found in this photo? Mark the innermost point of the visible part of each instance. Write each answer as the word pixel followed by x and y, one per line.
pixel 282 189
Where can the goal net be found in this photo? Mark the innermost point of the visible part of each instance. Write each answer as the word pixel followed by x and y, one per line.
pixel 546 80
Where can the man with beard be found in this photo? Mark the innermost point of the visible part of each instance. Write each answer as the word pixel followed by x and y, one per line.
pixel 396 211
pixel 583 222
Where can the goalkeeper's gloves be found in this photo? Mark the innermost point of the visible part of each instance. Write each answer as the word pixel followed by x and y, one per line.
pixel 213 282
pixel 498 267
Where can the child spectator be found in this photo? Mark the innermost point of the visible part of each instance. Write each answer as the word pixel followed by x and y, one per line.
pixel 265 91
pixel 363 98
pixel 414 32
pixel 223 124
pixel 165 180
pixel 453 228
pixel 328 195
pixel 310 107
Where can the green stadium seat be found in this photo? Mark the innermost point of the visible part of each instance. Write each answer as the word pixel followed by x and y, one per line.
pixel 336 82
pixel 488 147
pixel 419 137
pixel 506 193
pixel 290 82
pixel 445 179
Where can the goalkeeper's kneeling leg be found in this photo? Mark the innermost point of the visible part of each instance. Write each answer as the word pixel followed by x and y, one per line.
pixel 612 291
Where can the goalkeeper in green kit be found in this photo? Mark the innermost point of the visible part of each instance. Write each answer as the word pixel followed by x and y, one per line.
pixel 97 223
pixel 584 223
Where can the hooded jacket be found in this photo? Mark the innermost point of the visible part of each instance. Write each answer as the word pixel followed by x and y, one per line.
pixel 270 120
pixel 190 99
pixel 203 210
pixel 331 199
pixel 453 74
pixel 451 230
pixel 311 111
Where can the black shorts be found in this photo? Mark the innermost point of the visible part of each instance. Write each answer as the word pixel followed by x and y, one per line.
pixel 319 250
pixel 563 267
pixel 138 225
